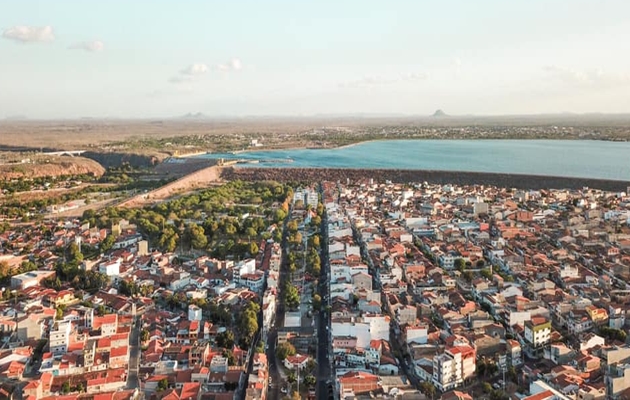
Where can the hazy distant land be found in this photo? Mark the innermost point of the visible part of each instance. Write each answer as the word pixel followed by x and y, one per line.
pixel 196 132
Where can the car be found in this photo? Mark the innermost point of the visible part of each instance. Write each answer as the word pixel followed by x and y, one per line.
pixel 496 386
pixel 284 390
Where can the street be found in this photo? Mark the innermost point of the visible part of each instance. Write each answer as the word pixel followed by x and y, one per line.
pixel 272 335
pixel 324 370
pixel 133 381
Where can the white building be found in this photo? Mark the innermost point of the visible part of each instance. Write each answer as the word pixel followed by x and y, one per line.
pixel 452 367
pixel 194 313
pixel 569 272
pixel 242 268
pixel 59 338
pixel 537 334
pixel 111 268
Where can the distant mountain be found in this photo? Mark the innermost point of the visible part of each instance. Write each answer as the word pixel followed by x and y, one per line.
pixel 198 115
pixel 16 118
pixel 439 113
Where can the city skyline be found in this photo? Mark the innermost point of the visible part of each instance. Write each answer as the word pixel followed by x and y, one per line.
pixel 159 59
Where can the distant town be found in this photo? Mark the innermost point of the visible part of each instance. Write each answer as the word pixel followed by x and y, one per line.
pixel 333 289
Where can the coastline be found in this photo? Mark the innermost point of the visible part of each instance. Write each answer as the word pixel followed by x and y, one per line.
pixel 517 181
pixel 308 146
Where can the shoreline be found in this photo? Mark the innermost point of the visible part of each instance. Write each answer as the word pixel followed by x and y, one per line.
pixel 263 149
pixel 517 181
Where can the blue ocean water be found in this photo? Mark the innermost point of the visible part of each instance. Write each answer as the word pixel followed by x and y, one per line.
pixel 570 158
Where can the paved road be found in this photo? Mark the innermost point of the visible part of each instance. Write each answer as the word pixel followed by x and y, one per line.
pixel 324 370
pixel 274 372
pixel 272 335
pixel 133 380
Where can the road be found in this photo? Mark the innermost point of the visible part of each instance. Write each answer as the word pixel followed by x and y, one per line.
pixel 272 335
pixel 133 381
pixel 324 370
pixel 274 371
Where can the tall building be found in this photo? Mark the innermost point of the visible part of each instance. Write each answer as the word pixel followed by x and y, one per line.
pixel 453 367
pixel 537 335
pixel 59 338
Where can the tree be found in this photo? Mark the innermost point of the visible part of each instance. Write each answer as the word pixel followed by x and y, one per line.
pixel 285 350
pixel 74 254
pixel 196 236
pixel 309 380
pixel 229 354
pixel 460 264
pixel 107 243
pixel 225 339
pixel 291 297
pixel 291 378
pixel 260 348
pixel 486 387
pixel 162 385
pixel 5 271
pixel 59 313
pixel 428 389
pixel 253 249
pixel 144 335
pixel 317 302
pixel 248 324
pixel 65 387
pixel 486 273
pixel 292 226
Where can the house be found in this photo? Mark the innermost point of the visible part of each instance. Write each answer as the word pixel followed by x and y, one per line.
pixel 358 382
pixel 296 362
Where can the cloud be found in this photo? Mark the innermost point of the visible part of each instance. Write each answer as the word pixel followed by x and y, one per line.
pixel 457 62
pixel 189 74
pixel 195 69
pixel 91 46
pixel 597 78
pixel 232 66
pixel 29 34
pixel 369 81
pixel 177 79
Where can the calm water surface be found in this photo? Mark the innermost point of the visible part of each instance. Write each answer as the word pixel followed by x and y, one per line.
pixel 571 158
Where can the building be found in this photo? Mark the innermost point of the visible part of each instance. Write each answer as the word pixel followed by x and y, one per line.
pixel 356 382
pixel 537 335
pixel 29 279
pixel 194 313
pixel 59 338
pixel 297 361
pixel 453 367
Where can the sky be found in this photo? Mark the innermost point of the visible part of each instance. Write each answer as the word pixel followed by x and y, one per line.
pixel 159 58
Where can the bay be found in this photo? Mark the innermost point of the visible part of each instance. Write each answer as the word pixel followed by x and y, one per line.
pixel 570 158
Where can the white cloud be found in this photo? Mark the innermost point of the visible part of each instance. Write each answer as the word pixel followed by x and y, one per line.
pixel 233 65
pixel 596 78
pixel 92 46
pixel 368 81
pixel 29 34
pixel 195 69
pixel 457 62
